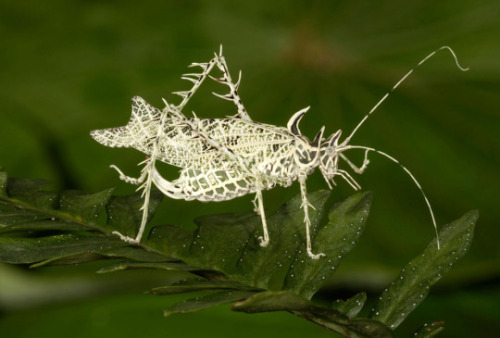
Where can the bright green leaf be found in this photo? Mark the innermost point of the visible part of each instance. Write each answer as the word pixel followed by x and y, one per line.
pixel 412 285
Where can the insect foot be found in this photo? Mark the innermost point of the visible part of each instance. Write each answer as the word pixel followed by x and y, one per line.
pixel 126 238
pixel 224 158
pixel 263 241
pixel 315 256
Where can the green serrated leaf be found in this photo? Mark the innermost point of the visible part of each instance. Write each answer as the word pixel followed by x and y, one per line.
pixel 136 254
pixel 412 285
pixel 10 218
pixel 31 250
pixel 228 243
pixel 346 223
pixel 20 222
pixel 203 302
pixel 147 265
pixel 327 317
pixel 31 192
pixel 85 207
pixel 69 259
pixel 351 306
pixel 199 285
pixel 124 212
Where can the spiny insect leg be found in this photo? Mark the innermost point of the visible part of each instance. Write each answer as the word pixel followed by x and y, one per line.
pixel 255 206
pixel 357 170
pixel 348 178
pixel 264 241
pixel 197 79
pixel 125 238
pixel 126 178
pixel 233 87
pixel 307 221
pixel 146 187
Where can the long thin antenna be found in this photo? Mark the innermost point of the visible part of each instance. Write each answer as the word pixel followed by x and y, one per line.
pixel 343 148
pixel 348 139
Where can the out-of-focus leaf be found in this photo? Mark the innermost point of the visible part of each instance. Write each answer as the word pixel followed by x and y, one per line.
pixel 351 306
pixel 3 183
pixel 413 283
pixel 206 301
pixel 86 207
pixel 327 317
pixel 228 243
pixel 124 212
pixel 22 289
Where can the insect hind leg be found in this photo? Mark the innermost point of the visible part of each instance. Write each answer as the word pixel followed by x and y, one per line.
pixel 197 79
pixel 168 188
pixel 233 87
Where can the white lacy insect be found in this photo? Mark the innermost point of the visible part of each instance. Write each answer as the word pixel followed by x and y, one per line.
pixel 224 158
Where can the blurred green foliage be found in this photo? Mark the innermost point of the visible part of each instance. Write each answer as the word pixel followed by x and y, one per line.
pixel 69 67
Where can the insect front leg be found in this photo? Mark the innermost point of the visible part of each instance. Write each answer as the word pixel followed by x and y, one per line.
pixel 348 178
pixel 357 170
pixel 264 240
pixel 128 179
pixel 307 221
pixel 146 180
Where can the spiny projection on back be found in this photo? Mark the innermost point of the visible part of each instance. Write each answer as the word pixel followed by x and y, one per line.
pixel 225 158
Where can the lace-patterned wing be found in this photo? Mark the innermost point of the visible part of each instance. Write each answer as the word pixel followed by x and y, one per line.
pixel 142 127
pixel 254 142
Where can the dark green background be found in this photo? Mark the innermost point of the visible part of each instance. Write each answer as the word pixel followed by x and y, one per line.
pixel 69 67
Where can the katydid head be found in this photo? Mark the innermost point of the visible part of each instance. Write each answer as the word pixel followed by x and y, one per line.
pixel 329 157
